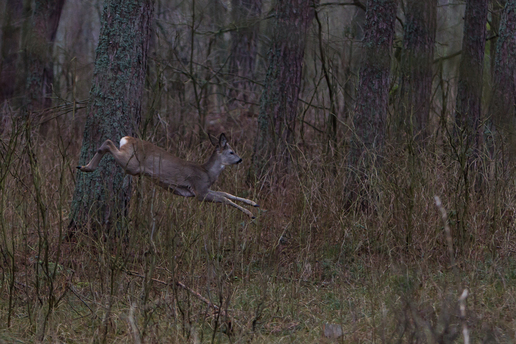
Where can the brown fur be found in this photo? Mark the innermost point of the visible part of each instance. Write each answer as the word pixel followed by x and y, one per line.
pixel 181 177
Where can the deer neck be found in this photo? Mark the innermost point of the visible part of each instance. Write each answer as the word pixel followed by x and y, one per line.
pixel 214 166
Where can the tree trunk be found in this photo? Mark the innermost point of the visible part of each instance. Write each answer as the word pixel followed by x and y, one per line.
pixel 467 133
pixel 496 9
pixel 11 38
pixel 416 67
pixel 38 44
pixel 503 98
pixel 373 87
pixel 469 93
pixel 244 43
pixel 372 99
pixel 278 103
pixel 114 111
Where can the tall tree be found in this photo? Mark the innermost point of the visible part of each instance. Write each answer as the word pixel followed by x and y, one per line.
pixel 11 38
pixel 469 93
pixel 278 103
pixel 372 95
pixel 114 109
pixel 416 66
pixel 503 97
pixel 38 44
pixel 466 140
pixel 496 7
pixel 244 46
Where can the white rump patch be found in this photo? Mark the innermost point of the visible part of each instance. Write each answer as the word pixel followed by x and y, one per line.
pixel 123 141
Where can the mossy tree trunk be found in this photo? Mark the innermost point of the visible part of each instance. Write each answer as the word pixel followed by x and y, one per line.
pixel 114 111
pixel 278 103
pixel 372 96
pixel 416 68
pixel 469 92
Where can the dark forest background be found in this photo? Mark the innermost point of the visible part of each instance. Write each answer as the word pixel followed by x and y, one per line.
pixel 377 137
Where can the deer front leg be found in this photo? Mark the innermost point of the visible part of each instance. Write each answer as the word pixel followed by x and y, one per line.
pixel 107 146
pixel 218 197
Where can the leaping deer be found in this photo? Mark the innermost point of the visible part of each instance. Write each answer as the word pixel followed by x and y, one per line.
pixel 181 177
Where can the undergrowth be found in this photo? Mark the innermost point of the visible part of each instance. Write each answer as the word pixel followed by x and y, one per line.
pixel 178 270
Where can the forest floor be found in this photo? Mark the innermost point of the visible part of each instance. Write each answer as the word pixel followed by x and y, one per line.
pixel 305 270
pixel 362 302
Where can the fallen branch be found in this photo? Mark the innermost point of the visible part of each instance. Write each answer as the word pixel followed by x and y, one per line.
pixel 182 285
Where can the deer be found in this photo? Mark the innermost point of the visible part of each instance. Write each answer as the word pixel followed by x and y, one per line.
pixel 183 178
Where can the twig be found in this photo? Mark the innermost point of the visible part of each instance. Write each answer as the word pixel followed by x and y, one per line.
pixel 354 3
pixel 439 59
pixel 462 303
pixel 462 298
pixel 182 285
pixel 447 231
pixel 72 288
pixel 457 53
pixel 333 114
pixel 132 324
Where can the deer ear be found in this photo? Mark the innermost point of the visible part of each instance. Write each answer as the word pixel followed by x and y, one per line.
pixel 222 141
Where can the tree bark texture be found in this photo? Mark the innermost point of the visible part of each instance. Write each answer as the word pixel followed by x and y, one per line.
pixel 114 110
pixel 469 92
pixel 503 98
pixel 496 9
pixel 416 67
pixel 278 103
pixel 373 88
pixel 11 38
pixel 372 100
pixel 244 47
pixel 38 44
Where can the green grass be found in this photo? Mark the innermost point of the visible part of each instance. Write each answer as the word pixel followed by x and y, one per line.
pixel 381 307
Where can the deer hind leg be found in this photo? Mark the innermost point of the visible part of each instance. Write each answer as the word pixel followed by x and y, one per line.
pixel 219 197
pixel 235 198
pixel 107 146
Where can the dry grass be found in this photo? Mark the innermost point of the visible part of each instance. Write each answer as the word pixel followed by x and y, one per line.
pixel 384 274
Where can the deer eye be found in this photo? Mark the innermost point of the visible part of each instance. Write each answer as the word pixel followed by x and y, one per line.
pixel 231 153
